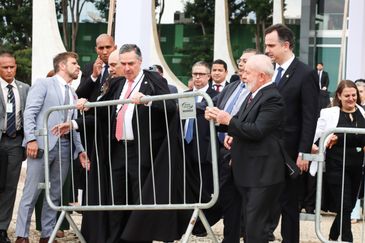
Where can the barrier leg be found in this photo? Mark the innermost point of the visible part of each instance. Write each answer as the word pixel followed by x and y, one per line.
pixel 58 225
pixel 75 228
pixel 207 226
pixel 191 225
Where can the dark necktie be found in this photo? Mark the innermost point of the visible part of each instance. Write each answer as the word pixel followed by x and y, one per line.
pixel 105 74
pixel 190 128
pixel 249 99
pixel 278 76
pixel 10 122
pixel 67 100
pixel 217 87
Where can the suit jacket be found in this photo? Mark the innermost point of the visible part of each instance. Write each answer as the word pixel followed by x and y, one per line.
pixel 300 90
pixel 220 100
pixel 256 130
pixel 325 80
pixel 88 88
pixel 234 78
pixel 43 95
pixel 23 91
pixel 221 88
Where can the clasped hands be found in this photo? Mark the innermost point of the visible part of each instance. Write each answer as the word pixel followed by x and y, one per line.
pixel 219 117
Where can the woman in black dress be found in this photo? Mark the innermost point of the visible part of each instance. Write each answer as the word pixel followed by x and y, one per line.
pixel 346 112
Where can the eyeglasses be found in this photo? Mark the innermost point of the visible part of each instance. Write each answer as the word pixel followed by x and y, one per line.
pixel 199 74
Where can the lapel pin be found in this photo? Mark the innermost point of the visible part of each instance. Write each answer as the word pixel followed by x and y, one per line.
pixel 145 82
pixel 287 76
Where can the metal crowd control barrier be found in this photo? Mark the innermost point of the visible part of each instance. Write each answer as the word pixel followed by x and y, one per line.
pixel 187 102
pixel 320 158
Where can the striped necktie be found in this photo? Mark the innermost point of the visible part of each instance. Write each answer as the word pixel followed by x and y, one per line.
pixel 10 121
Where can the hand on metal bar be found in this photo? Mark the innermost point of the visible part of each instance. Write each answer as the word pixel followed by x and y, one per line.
pixel 61 129
pixel 331 141
pixel 80 104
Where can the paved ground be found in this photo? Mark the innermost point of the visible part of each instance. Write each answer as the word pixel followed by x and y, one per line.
pixel 307 234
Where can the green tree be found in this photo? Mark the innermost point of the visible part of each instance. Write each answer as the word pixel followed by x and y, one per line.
pixel 16 34
pixel 16 23
pixel 74 9
pixel 24 64
pixel 202 12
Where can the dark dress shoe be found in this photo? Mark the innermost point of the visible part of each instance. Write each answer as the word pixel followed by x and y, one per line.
pixel 4 237
pixel 22 240
pixel 45 240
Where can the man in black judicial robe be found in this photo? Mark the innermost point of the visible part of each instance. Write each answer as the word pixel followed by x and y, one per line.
pixel 136 139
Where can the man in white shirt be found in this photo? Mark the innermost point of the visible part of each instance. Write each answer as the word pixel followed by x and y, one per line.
pixel 13 94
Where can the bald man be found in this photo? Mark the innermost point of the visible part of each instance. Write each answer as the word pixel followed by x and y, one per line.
pixel 115 69
pixel 95 73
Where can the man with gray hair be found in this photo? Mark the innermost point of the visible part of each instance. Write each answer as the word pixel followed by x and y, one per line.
pixel 258 173
pixel 130 131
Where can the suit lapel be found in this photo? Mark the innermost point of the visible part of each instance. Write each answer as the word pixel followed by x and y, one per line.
pixel 249 107
pixel 231 88
pixel 2 98
pixel 288 73
pixel 56 88
pixel 22 94
pixel 144 85
pixel 74 99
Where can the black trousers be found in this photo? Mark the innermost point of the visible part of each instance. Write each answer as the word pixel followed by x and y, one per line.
pixel 352 182
pixel 126 186
pixel 257 204
pixel 226 206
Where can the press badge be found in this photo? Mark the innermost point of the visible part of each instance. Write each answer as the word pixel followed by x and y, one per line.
pixel 9 108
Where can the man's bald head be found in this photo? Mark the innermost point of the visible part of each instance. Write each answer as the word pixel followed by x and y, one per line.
pixel 115 69
pixel 104 46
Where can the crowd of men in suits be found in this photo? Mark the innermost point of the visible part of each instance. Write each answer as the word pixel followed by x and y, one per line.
pixel 266 116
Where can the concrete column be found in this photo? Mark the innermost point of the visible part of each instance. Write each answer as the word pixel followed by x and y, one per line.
pixel 277 17
pixel 135 23
pixel 355 61
pixel 222 41
pixel 46 38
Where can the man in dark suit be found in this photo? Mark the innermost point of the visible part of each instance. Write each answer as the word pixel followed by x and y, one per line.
pixel 229 100
pixel 219 75
pixel 324 96
pixel 298 84
pixel 13 94
pixel 258 173
pixel 127 135
pixel 196 145
pixel 323 77
pixel 95 73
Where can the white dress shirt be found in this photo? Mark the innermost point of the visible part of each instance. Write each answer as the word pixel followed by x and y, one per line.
pixel 128 127
pixel 17 102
